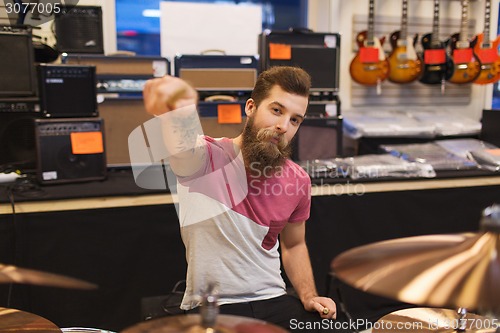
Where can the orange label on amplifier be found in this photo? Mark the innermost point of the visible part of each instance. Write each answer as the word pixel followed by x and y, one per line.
pixel 229 114
pixel 280 51
pixel 368 54
pixel 86 143
pixel 434 57
pixel 462 56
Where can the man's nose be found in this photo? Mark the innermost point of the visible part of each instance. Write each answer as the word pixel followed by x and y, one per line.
pixel 282 125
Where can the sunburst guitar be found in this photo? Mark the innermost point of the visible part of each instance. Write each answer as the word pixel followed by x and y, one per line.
pixel 404 64
pixel 369 66
pixel 466 65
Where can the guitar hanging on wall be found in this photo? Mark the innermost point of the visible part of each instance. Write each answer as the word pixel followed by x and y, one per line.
pixel 466 66
pixel 369 66
pixel 404 65
pixel 437 67
pixel 487 51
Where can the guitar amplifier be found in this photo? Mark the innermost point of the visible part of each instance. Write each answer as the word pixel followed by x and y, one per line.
pixel 318 138
pixel 121 74
pixel 70 150
pixel 79 29
pixel 317 53
pixel 18 75
pixel 67 90
pixel 218 73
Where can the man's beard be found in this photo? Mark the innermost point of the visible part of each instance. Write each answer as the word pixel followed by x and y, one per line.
pixel 259 151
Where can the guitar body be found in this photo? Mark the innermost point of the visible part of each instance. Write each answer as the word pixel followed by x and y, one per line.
pixel 490 69
pixel 463 72
pixel 404 64
pixel 373 72
pixel 435 73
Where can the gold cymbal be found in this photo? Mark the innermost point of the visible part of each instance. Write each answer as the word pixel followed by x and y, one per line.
pixel 12 320
pixel 461 270
pixel 13 274
pixel 192 324
pixel 429 320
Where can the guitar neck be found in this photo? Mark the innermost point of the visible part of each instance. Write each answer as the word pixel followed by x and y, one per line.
pixel 463 41
pixel 435 25
pixel 371 24
pixel 404 21
pixel 487 15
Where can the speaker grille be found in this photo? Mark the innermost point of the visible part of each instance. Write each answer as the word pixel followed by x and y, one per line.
pixel 79 30
pixel 17 74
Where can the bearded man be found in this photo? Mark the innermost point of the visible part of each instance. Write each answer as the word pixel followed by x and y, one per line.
pixel 243 204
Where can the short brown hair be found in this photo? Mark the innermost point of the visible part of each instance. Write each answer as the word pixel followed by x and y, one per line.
pixel 293 80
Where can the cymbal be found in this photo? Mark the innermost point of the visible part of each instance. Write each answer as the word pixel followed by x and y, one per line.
pixel 13 274
pixel 192 323
pixel 430 320
pixel 12 320
pixel 457 270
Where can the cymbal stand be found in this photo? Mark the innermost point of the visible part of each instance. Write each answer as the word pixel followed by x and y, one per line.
pixel 209 308
pixel 462 321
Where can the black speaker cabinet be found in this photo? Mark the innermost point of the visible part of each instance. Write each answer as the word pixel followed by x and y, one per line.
pixel 17 140
pixel 17 70
pixel 70 150
pixel 317 53
pixel 79 29
pixel 67 90
pixel 490 129
pixel 318 138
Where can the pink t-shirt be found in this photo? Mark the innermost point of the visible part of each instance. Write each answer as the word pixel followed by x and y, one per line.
pixel 230 223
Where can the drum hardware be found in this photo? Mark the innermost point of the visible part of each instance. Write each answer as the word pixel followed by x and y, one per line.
pixel 83 330
pixel 208 321
pixel 453 271
pixel 13 274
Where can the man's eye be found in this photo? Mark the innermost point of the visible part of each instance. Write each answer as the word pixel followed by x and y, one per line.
pixel 276 110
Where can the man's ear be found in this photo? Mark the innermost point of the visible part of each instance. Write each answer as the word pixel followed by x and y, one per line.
pixel 250 107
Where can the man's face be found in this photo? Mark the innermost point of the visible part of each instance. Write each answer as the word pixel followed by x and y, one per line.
pixel 272 126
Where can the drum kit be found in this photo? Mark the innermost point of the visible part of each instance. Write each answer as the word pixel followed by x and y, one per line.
pixel 12 320
pixel 458 271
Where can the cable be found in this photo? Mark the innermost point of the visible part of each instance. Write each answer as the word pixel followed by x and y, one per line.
pixel 10 196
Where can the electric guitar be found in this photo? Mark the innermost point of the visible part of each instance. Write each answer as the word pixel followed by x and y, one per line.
pixel 466 66
pixel 369 66
pixel 404 65
pixel 487 51
pixel 437 67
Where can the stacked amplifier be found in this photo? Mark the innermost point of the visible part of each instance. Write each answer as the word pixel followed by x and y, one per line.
pixel 320 135
pixel 118 85
pixel 19 104
pixel 224 83
pixel 69 134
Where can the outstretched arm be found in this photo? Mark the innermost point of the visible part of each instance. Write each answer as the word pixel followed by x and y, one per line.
pixel 297 264
pixel 174 101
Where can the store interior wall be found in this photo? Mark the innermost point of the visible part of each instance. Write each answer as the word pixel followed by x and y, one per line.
pixel 337 16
